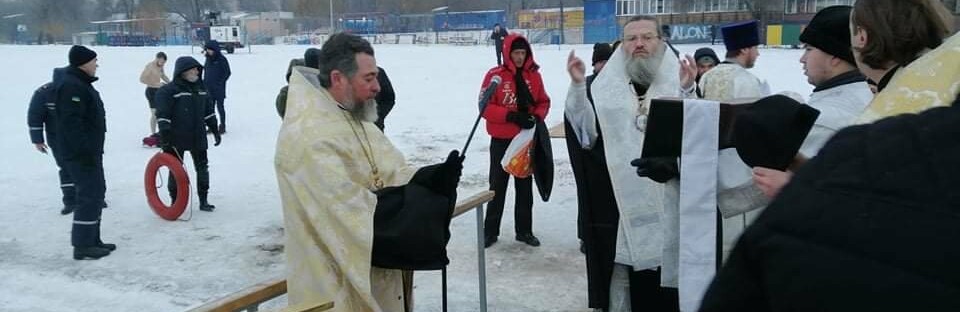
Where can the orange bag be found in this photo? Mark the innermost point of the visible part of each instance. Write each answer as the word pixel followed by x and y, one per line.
pixel 517 161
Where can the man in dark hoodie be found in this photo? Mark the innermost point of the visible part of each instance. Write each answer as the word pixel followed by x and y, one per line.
pixel 184 108
pixel 215 75
pixel 583 160
pixel 282 96
pixel 41 116
pixel 81 127
pixel 311 59
pixel 498 34
pixel 518 103
pixel 706 60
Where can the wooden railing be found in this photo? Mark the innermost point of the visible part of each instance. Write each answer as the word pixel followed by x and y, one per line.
pixel 250 298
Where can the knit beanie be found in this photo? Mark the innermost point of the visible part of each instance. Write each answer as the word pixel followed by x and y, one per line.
pixel 829 32
pixel 80 55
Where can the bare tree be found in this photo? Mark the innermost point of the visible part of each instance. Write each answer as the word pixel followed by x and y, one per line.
pixel 191 10
pixel 55 20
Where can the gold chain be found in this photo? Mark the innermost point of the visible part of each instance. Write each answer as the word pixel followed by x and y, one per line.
pixel 377 183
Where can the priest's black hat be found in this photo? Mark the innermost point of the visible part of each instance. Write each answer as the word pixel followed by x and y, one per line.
pixel 740 35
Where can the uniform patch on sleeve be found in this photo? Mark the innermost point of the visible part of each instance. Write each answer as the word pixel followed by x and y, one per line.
pixel 75 99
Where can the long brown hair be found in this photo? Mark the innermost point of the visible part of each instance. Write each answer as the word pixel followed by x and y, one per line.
pixel 899 30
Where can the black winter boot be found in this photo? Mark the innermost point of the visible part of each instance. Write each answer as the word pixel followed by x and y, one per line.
pixel 205 205
pixel 108 246
pixel 90 253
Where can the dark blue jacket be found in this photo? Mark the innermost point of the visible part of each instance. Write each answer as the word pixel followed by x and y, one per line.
pixel 81 120
pixel 40 114
pixel 216 72
pixel 184 108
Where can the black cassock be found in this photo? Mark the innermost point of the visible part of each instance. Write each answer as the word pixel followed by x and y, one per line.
pixel 596 211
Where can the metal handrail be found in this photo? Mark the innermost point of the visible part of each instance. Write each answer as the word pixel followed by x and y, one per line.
pixel 250 298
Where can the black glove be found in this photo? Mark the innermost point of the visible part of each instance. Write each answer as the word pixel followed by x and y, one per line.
pixel 445 181
pixel 441 178
pixel 659 169
pixel 165 139
pixel 524 120
pixel 216 138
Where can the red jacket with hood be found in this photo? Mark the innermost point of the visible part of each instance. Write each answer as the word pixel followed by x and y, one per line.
pixel 504 100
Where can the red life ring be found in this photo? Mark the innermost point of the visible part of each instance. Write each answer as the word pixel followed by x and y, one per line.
pixel 172 212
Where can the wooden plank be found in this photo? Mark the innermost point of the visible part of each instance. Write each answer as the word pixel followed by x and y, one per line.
pixel 309 307
pixel 255 294
pixel 472 202
pixel 557 132
pixel 267 290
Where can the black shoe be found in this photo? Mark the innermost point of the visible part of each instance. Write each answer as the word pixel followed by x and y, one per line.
pixel 205 206
pixel 68 209
pixel 529 239
pixel 488 241
pixel 92 253
pixel 108 246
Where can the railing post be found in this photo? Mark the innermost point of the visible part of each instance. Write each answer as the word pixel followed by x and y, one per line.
pixel 481 262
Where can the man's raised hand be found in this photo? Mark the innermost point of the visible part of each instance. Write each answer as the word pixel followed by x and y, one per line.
pixel 576 68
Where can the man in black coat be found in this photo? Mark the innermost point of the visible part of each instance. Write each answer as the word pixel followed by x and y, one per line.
pixel 386 98
pixel 597 212
pixel 215 74
pixel 869 224
pixel 41 116
pixel 184 110
pixel 81 127
pixel 499 33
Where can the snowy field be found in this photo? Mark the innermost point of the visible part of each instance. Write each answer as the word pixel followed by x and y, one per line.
pixel 171 266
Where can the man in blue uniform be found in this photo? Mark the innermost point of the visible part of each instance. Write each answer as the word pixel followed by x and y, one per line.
pixel 184 110
pixel 41 117
pixel 81 127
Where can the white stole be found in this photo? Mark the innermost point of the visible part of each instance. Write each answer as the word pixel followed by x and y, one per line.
pixel 698 201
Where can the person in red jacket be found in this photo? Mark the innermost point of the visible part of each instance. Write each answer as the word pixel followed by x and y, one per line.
pixel 518 103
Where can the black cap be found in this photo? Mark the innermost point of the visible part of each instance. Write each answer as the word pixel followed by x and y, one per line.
pixel 601 52
pixel 80 55
pixel 829 32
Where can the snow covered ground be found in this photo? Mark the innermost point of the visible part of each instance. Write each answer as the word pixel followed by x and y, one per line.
pixel 171 266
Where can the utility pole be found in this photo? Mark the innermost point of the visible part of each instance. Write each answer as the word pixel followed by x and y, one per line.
pixel 562 39
pixel 331 17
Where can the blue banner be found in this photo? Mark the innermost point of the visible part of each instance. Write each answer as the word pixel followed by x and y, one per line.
pixel 600 21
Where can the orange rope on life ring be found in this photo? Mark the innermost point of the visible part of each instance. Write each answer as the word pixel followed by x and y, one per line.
pixel 172 212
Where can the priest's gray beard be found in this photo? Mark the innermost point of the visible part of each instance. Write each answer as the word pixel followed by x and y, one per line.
pixel 365 111
pixel 642 71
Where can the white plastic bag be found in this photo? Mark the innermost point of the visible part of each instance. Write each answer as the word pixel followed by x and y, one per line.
pixel 517 161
